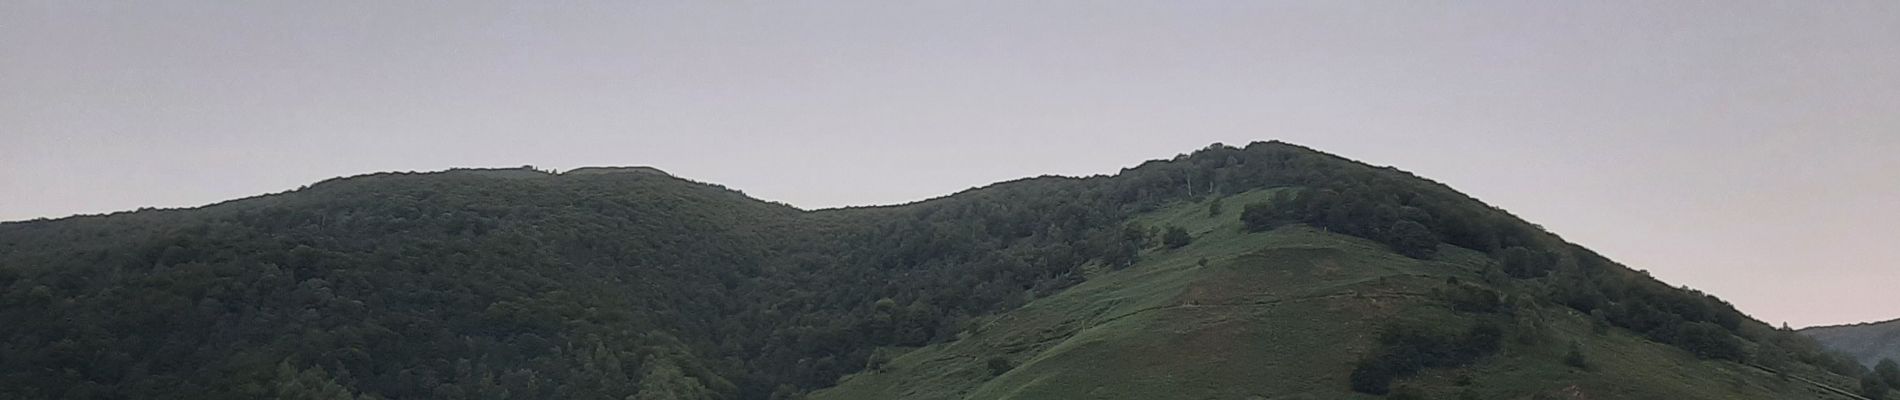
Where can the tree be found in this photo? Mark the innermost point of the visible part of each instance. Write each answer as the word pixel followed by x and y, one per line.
pixel 1260 216
pixel 1175 237
pixel 1412 239
pixel 1135 234
pixel 1708 340
pixel 1522 262
pixel 1214 207
pixel 879 359
pixel 1574 357
pixel 1872 387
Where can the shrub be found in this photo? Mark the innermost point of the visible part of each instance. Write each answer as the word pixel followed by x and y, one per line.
pixel 1574 357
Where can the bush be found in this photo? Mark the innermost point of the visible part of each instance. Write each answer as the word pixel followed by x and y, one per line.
pixel 1574 357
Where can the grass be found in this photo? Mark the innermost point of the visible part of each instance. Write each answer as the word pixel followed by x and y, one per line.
pixel 1283 314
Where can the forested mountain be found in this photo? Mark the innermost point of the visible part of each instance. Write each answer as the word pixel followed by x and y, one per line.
pixel 1869 342
pixel 1332 279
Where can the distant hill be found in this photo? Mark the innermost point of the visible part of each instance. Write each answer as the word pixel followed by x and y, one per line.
pixel 1866 342
pixel 1265 271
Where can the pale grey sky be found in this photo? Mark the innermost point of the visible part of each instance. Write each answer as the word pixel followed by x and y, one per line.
pixel 1748 149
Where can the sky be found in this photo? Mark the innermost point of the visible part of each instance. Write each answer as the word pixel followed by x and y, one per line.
pixel 1746 149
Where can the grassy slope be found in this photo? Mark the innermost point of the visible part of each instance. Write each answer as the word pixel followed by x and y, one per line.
pixel 1282 314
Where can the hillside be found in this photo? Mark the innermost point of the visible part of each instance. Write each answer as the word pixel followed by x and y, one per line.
pixel 1270 271
pixel 1868 343
pixel 1284 313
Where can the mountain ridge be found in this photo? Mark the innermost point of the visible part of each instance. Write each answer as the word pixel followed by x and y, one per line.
pixel 1867 342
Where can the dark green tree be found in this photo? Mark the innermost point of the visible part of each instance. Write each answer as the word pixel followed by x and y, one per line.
pixel 1889 372
pixel 1574 356
pixel 1412 239
pixel 1521 262
pixel 1175 237
pixel 1872 387
pixel 1707 340
pixel 1260 216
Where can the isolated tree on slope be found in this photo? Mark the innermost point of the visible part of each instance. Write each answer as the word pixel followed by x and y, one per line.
pixel 1175 237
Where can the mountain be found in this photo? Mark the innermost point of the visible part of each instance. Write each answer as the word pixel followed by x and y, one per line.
pixel 1868 342
pixel 1269 271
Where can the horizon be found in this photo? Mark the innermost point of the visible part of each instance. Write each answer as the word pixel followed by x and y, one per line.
pixel 1744 149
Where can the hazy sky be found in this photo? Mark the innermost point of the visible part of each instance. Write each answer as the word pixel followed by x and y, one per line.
pixel 1751 150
